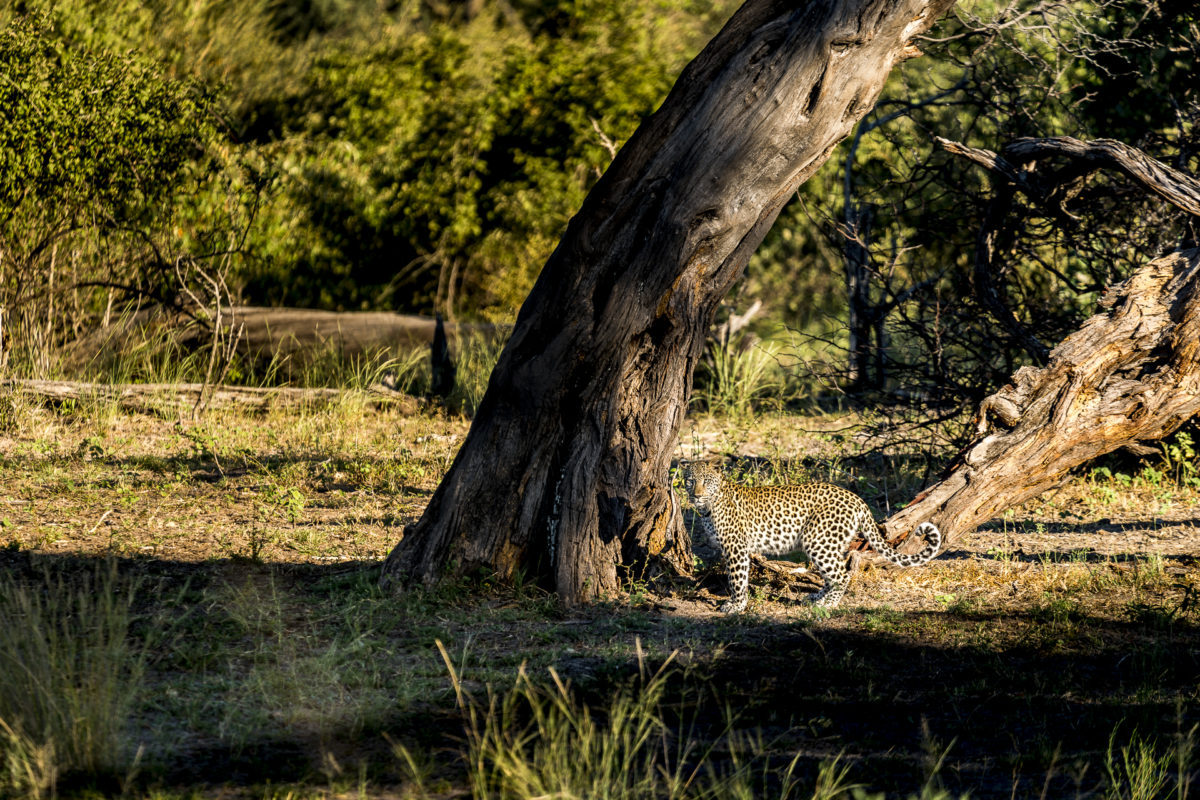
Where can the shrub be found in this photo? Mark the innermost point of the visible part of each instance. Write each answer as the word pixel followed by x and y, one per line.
pixel 110 180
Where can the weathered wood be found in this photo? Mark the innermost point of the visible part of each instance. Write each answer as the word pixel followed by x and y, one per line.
pixel 1044 187
pixel 183 397
pixel 1131 373
pixel 1177 188
pixel 564 474
pixel 283 334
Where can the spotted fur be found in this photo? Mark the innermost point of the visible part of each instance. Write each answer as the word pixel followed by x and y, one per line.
pixel 818 518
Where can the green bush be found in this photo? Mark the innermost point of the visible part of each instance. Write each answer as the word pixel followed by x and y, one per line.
pixel 109 180
pixel 414 159
pixel 436 166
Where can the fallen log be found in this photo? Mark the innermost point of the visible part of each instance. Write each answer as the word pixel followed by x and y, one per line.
pixel 283 335
pixel 1130 374
pixel 184 397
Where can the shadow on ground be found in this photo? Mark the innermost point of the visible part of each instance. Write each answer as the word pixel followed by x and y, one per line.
pixel 992 701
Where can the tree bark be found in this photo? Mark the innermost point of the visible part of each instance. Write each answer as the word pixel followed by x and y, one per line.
pixel 564 473
pixel 1131 373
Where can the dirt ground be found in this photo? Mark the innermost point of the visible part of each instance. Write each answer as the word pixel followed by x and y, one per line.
pixel 1011 666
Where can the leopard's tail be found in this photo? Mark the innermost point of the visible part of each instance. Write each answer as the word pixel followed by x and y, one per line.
pixel 926 530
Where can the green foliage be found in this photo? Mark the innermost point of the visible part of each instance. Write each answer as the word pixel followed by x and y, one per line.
pixel 417 160
pixel 111 181
pixel 441 162
pixel 87 134
pixel 420 158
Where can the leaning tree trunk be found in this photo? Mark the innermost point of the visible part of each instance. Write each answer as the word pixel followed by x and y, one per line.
pixel 1130 374
pixel 565 470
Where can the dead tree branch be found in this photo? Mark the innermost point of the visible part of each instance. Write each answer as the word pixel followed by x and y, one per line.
pixel 1177 188
pixel 177 398
pixel 1130 374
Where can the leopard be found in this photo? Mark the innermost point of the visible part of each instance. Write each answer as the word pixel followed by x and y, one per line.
pixel 819 518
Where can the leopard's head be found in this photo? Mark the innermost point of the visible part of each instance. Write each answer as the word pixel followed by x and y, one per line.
pixel 703 483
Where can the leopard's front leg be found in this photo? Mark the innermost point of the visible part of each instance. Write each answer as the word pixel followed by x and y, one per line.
pixel 709 533
pixel 737 563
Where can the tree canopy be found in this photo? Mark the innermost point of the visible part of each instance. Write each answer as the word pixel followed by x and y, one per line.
pixel 426 157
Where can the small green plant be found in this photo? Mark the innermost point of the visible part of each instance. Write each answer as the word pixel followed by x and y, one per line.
pixel 289 501
pixel 1164 616
pixel 964 605
pixel 1060 613
pixel 203 445
pixel 1152 476
pixel 638 592
pixel 1180 459
pixel 881 620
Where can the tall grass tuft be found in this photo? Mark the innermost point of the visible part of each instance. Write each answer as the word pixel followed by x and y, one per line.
pixel 537 741
pixel 475 355
pixel 330 367
pixel 541 741
pixel 71 677
pixel 1142 771
pixel 736 377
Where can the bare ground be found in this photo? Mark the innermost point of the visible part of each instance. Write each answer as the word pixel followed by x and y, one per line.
pixel 1006 666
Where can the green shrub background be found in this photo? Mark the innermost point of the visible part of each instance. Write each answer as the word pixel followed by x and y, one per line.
pixel 413 157
pixel 426 157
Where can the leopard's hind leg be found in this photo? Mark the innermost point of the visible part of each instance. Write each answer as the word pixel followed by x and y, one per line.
pixel 827 546
pixel 737 562
pixel 836 581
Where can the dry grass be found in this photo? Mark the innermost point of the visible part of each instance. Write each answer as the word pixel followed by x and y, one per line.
pixel 72 677
pixel 1018 660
